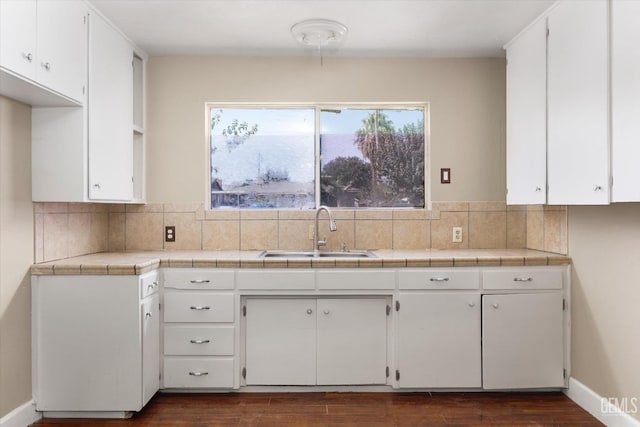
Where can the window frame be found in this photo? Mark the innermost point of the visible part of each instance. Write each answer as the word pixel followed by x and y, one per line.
pixel 318 107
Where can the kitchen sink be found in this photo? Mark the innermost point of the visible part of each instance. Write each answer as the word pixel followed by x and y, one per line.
pixel 321 254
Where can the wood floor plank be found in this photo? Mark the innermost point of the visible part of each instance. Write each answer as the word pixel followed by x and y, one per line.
pixel 349 409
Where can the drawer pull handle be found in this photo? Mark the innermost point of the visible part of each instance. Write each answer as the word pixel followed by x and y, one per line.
pixel 523 279
pixel 198 307
pixel 200 281
pixel 439 279
pixel 198 374
pixel 199 341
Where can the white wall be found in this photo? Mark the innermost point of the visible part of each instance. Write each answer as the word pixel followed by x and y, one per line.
pixel 466 97
pixel 604 244
pixel 16 254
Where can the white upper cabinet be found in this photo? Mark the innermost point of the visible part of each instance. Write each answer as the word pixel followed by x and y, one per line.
pixel 625 100
pixel 43 50
pixel 578 103
pixel 527 116
pixel 62 47
pixel 93 152
pixel 110 113
pixel 18 36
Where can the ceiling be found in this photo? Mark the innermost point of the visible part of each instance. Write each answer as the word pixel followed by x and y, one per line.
pixel 417 28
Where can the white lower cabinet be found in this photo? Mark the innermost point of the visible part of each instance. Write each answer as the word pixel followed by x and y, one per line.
pixel 438 343
pixel 316 341
pixel 523 345
pixel 199 335
pixel 352 341
pixel 95 343
pixel 280 341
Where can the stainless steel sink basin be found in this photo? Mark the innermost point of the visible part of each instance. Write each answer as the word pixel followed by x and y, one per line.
pixel 321 254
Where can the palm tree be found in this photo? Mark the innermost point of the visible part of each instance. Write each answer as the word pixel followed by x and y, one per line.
pixel 375 127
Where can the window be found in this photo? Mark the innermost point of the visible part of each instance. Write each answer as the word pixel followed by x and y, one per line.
pixel 300 157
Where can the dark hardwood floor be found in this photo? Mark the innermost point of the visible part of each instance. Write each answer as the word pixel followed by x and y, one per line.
pixel 351 409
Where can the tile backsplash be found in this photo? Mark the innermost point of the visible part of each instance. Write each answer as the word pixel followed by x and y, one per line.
pixel 69 229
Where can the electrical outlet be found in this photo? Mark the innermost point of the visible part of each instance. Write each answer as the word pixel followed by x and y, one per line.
pixel 311 233
pixel 457 235
pixel 170 233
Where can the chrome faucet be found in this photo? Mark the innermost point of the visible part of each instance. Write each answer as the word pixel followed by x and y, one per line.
pixel 317 243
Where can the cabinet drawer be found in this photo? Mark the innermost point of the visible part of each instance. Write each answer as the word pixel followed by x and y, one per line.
pixel 435 278
pixel 198 340
pixel 362 279
pixel 198 278
pixel 198 307
pixel 149 284
pixel 522 279
pixel 276 279
pixel 198 372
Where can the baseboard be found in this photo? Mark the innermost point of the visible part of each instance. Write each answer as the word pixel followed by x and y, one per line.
pixel 22 416
pixel 605 410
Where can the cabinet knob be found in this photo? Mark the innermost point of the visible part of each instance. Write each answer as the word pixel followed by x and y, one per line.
pixel 495 305
pixel 327 312
pixel 96 186
pixel 309 311
pixel 46 65
pixel 28 56
pixel 597 188
pixel 538 189
pixel 472 304
pixel 147 315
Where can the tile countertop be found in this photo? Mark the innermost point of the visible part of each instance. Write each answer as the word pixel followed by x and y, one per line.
pixel 128 263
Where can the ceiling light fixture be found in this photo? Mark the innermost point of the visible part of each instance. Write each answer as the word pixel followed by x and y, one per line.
pixel 319 34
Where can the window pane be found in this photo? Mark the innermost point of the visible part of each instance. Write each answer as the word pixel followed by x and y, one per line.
pixel 262 158
pixel 372 158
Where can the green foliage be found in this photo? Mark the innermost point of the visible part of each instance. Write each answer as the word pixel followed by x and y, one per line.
pixel 235 133
pixel 397 160
pixel 345 181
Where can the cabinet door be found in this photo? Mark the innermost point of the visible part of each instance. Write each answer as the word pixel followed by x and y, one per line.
pixel 352 341
pixel 281 341
pixel 62 47
pixel 522 336
pixel 150 322
pixel 527 117
pixel 439 340
pixel 18 36
pixel 578 128
pixel 110 113
pixel 625 100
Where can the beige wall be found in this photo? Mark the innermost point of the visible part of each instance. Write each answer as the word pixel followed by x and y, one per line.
pixel 604 244
pixel 16 254
pixel 466 98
